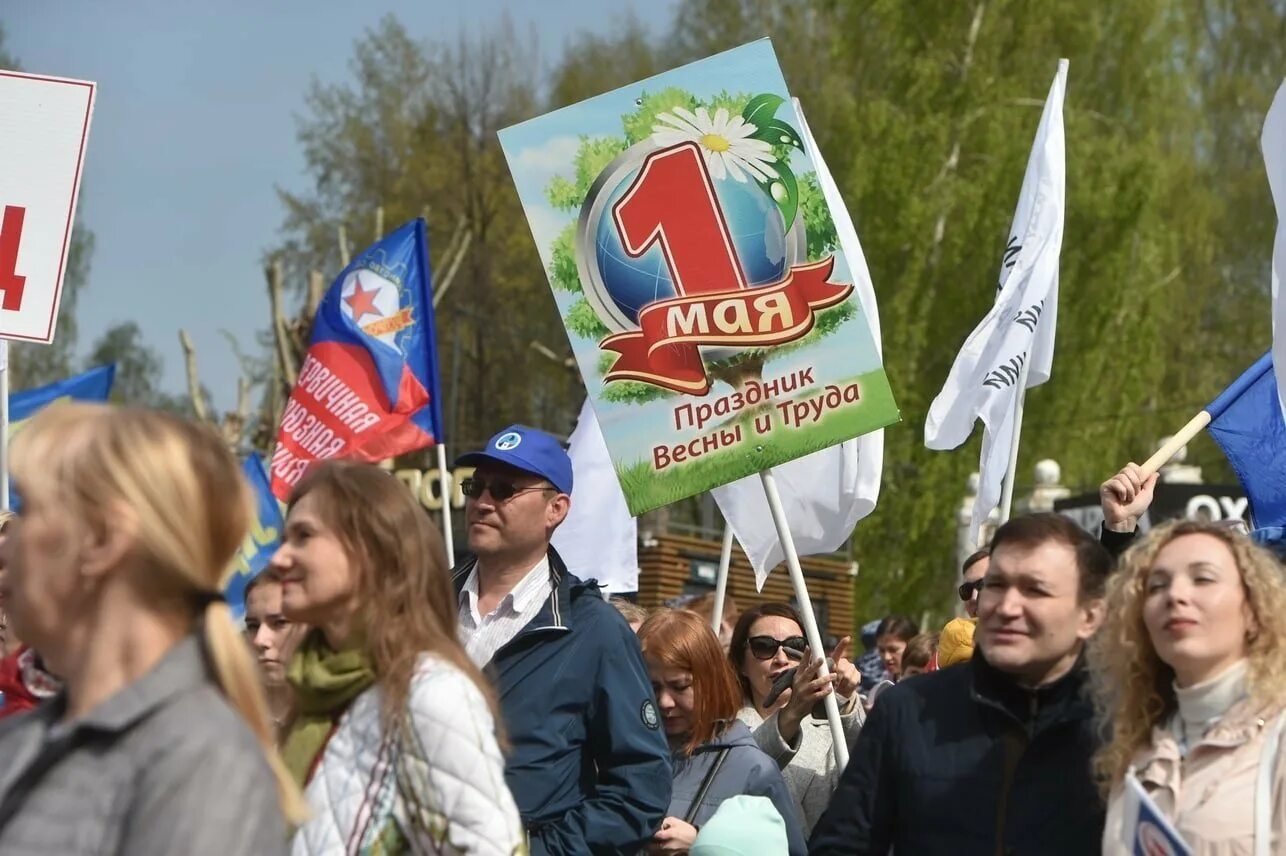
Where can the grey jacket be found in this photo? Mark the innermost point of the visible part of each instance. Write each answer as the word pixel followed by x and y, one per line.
pixel 164 766
pixel 808 765
pixel 745 770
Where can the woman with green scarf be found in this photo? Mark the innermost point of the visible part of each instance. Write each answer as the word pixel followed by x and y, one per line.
pixel 394 731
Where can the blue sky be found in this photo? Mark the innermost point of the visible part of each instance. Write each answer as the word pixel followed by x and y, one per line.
pixel 193 128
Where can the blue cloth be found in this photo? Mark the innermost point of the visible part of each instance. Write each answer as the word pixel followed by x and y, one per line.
pixel 588 764
pixel 93 385
pixel 261 541
pixel 746 770
pixel 871 667
pixel 529 450
pixel 1246 421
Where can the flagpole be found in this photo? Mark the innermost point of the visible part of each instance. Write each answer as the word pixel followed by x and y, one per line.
pixel 721 581
pixel 4 424
pixel 444 480
pixel 814 636
pixel 1007 491
pixel 1172 446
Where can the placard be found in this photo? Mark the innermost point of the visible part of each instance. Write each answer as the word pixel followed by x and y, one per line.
pixel 695 264
pixel 44 126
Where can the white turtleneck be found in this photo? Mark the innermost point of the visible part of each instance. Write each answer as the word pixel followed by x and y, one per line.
pixel 1202 705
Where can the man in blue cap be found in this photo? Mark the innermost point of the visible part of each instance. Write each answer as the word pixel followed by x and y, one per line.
pixel 588 765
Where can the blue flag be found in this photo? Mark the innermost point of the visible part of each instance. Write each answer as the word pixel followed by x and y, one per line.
pixel 1146 831
pixel 262 539
pixel 93 385
pixel 1246 421
pixel 368 387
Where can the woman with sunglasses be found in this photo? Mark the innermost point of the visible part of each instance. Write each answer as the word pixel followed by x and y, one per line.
pixel 713 754
pixel 1190 671
pixel 767 642
pixel 394 731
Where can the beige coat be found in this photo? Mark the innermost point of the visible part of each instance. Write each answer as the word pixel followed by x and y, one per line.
pixel 1210 795
pixel 809 765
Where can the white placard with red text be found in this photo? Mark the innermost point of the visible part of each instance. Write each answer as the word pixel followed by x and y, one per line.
pixel 44 127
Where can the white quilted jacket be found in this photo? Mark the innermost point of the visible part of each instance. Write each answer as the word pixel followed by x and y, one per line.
pixel 436 788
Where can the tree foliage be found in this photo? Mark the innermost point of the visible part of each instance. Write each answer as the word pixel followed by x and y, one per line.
pixel 926 114
pixel 414 133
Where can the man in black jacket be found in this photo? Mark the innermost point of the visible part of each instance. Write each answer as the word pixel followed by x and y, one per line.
pixel 992 756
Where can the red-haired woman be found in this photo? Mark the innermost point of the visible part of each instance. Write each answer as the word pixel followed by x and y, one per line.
pixel 715 756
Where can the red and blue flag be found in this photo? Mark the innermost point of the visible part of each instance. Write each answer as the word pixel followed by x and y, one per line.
pixel 368 387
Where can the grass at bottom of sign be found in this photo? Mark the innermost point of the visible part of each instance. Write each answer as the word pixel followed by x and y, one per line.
pixel 646 488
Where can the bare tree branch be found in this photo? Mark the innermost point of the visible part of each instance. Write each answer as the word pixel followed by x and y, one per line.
pixel 453 244
pixel 280 331
pixel 451 271
pixel 194 379
pixel 316 291
pixel 344 256
pixel 953 159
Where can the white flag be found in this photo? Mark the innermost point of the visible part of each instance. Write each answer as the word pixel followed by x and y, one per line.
pixel 824 494
pixel 1273 143
pixel 599 538
pixel 1018 332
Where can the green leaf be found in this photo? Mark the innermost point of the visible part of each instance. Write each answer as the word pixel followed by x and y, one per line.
pixel 784 191
pixel 775 132
pixel 563 194
pixel 581 320
pixel 760 109
pixel 563 273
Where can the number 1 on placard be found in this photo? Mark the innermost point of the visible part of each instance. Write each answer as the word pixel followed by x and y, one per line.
pixel 10 237
pixel 672 203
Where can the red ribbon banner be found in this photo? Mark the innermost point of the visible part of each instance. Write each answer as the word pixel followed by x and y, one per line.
pixel 664 350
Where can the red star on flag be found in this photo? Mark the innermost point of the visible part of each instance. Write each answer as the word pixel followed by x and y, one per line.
pixel 362 303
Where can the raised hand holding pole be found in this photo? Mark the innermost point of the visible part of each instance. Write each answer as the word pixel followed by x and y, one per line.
pixel 811 632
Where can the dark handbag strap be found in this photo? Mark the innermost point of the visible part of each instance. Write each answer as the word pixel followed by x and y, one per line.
pixel 705 785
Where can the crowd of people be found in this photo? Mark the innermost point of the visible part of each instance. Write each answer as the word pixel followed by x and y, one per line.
pixel 379 701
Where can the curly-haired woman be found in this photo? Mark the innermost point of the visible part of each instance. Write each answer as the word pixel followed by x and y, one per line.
pixel 1191 674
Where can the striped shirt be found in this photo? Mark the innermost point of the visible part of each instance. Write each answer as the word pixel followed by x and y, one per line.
pixel 484 635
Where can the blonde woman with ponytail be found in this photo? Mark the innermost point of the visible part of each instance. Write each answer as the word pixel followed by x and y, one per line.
pixel 1190 678
pixel 159 742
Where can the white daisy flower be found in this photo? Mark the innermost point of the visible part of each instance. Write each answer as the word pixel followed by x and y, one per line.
pixel 724 139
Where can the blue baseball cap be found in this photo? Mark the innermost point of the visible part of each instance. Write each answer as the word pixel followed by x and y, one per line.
pixel 529 450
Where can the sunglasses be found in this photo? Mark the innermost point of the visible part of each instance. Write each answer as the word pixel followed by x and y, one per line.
pixel 499 490
pixel 765 647
pixel 968 590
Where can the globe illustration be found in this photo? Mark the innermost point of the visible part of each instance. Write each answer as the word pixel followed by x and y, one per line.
pixel 758 234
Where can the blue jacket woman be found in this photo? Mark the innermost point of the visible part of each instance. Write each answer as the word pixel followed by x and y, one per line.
pixel 715 757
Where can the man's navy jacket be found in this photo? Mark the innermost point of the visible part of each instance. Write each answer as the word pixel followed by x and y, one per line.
pixel 588 764
pixel 965 761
